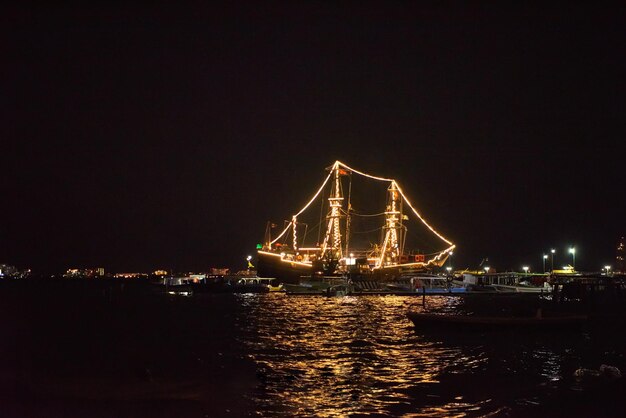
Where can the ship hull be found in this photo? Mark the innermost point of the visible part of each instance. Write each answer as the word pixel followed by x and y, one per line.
pixel 269 265
pixel 283 272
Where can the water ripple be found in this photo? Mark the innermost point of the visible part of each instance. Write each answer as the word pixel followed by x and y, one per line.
pixel 361 355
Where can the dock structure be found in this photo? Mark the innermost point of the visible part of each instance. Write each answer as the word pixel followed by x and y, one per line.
pixel 558 287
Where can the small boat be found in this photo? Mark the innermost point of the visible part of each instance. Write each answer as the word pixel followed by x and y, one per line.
pixel 553 321
pixel 504 282
pixel 277 288
pixel 175 286
pixel 432 284
pixel 255 284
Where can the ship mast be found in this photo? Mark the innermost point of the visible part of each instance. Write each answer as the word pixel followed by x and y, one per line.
pixel 348 219
pixel 268 235
pixel 389 254
pixel 390 251
pixel 331 248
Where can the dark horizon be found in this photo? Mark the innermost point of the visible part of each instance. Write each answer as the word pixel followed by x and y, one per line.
pixel 152 136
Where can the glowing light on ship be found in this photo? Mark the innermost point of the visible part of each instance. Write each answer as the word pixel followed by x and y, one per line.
pixel 390 252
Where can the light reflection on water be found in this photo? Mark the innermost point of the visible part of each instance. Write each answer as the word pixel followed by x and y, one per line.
pixel 361 355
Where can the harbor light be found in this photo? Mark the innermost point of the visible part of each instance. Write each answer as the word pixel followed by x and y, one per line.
pixel 573 253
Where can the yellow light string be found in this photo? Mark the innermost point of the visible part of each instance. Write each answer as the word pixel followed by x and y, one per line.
pixel 304 208
pixel 420 217
pixel 295 239
pixel 281 234
pixel 361 173
pixel 335 213
pixel 379 263
pixel 431 261
pixel 339 163
pixel 410 205
pixel 316 194
pixel 325 243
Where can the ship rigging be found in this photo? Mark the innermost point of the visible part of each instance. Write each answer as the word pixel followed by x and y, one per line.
pixel 334 252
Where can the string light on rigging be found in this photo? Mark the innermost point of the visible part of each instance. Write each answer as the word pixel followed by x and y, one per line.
pixel 389 254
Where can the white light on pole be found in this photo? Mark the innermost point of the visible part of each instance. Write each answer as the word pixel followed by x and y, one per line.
pixel 486 269
pixel 525 268
pixel 573 253
pixel 545 257
pixel 607 268
pixel 552 259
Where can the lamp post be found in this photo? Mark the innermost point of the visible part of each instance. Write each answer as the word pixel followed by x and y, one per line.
pixel 545 257
pixel 248 258
pixel 448 269
pixel 552 259
pixel 486 269
pixel 607 268
pixel 450 259
pixel 573 253
pixel 525 268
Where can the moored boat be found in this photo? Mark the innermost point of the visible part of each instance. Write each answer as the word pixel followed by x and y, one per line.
pixel 432 284
pixel 254 285
pixel 505 282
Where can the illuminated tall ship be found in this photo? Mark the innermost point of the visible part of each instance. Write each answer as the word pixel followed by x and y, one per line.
pixel 360 236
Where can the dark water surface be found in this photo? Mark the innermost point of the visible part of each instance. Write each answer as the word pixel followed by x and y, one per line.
pixel 113 350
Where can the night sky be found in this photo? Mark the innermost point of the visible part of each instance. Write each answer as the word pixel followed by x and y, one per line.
pixel 138 136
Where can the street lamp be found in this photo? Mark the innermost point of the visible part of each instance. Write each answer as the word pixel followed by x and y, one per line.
pixel 607 268
pixel 450 258
pixel 525 268
pixel 552 260
pixel 486 269
pixel 573 253
pixel 449 269
pixel 545 257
